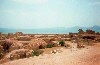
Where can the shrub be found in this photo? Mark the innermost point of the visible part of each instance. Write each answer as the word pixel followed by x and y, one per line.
pixel 62 43
pixel 41 47
pixel 36 52
pixel 6 47
pixel 49 45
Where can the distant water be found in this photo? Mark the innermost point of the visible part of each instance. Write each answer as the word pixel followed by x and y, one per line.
pixel 59 30
pixel 35 31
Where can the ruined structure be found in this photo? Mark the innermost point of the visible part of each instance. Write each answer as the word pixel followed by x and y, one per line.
pixel 23 38
pixel 18 33
pixel 10 35
pixel 81 31
pixel 88 31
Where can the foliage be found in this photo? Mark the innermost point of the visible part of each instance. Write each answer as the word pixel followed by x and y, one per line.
pixel 62 43
pixel 36 52
pixel 49 45
pixel 41 47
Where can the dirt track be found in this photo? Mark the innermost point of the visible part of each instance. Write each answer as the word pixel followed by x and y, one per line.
pixel 86 56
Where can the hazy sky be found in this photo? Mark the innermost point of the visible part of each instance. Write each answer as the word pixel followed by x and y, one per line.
pixel 49 13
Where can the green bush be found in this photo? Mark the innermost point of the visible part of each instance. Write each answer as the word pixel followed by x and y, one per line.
pixel 62 43
pixel 49 45
pixel 36 52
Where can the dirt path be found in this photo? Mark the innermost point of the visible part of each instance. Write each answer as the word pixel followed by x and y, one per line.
pixel 86 56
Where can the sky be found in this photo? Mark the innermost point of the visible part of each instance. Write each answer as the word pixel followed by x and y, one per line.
pixel 29 14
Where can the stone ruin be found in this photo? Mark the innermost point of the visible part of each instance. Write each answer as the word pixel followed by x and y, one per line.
pixel 81 31
pixel 88 31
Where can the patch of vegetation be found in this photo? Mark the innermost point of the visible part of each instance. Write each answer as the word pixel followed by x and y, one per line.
pixel 49 45
pixel 5 46
pixel 41 47
pixel 62 43
pixel 37 52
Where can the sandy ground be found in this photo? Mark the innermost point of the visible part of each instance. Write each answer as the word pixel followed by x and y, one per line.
pixel 86 56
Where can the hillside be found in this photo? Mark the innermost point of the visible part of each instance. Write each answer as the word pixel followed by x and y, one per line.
pixel 85 56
